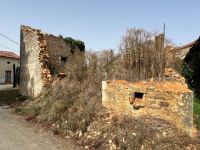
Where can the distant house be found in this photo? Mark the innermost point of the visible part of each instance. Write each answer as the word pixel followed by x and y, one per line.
pixel 7 59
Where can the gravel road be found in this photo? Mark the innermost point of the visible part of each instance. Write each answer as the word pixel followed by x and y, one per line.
pixel 16 134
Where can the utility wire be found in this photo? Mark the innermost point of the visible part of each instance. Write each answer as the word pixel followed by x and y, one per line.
pixel 6 47
pixel 9 39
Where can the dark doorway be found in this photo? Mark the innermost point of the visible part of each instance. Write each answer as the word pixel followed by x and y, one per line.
pixel 8 77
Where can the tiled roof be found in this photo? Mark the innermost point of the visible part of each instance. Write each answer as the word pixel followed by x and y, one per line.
pixel 8 54
pixel 189 45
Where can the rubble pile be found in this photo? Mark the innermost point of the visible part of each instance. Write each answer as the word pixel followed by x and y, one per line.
pixel 171 74
pixel 125 132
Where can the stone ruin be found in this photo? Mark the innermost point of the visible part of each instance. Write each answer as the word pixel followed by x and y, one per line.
pixel 167 98
pixel 42 56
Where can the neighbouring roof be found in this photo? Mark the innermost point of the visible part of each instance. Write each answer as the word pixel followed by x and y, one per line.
pixel 8 54
pixel 182 51
pixel 189 45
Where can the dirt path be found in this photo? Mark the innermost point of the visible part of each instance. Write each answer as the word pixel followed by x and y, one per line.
pixel 5 86
pixel 16 134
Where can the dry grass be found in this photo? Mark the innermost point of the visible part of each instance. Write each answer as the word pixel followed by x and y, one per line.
pixel 125 132
pixel 72 106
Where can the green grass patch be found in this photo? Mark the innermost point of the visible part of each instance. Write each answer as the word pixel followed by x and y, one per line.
pixel 197 112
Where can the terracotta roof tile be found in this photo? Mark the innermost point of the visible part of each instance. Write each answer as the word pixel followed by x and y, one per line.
pixel 8 54
pixel 189 45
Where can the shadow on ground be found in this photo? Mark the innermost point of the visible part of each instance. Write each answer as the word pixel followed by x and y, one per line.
pixel 9 97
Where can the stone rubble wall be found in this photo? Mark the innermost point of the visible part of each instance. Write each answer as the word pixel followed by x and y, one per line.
pixel 56 48
pixel 40 59
pixel 169 100
pixel 43 59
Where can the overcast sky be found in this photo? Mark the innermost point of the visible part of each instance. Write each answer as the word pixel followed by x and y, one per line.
pixel 99 23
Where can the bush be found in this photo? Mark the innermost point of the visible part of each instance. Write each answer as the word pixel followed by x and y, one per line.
pixel 74 43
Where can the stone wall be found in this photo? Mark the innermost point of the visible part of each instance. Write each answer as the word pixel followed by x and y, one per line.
pixel 57 49
pixel 170 100
pixel 42 57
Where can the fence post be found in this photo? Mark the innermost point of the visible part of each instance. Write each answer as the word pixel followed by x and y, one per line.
pixel 14 77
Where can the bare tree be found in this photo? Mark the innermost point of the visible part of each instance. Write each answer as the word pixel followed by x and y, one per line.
pixel 140 55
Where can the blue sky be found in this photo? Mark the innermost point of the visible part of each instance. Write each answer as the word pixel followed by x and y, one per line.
pixel 100 23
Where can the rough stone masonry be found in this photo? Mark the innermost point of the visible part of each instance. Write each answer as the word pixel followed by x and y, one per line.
pixel 42 56
pixel 169 99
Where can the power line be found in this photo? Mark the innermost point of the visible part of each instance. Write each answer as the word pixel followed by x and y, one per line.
pixel 9 39
pixel 6 47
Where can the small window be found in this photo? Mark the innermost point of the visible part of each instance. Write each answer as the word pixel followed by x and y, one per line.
pixel 63 60
pixel 8 62
pixel 137 100
pixel 139 95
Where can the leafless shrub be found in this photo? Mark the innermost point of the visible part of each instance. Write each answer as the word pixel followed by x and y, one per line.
pixel 139 56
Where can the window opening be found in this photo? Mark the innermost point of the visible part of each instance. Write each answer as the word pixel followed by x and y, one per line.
pixel 137 98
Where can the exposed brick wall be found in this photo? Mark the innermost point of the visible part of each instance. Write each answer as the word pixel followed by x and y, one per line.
pixel 170 100
pixel 41 55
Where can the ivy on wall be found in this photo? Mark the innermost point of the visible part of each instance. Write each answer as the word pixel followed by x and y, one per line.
pixel 73 43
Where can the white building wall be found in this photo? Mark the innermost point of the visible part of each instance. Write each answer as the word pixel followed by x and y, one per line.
pixel 5 66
